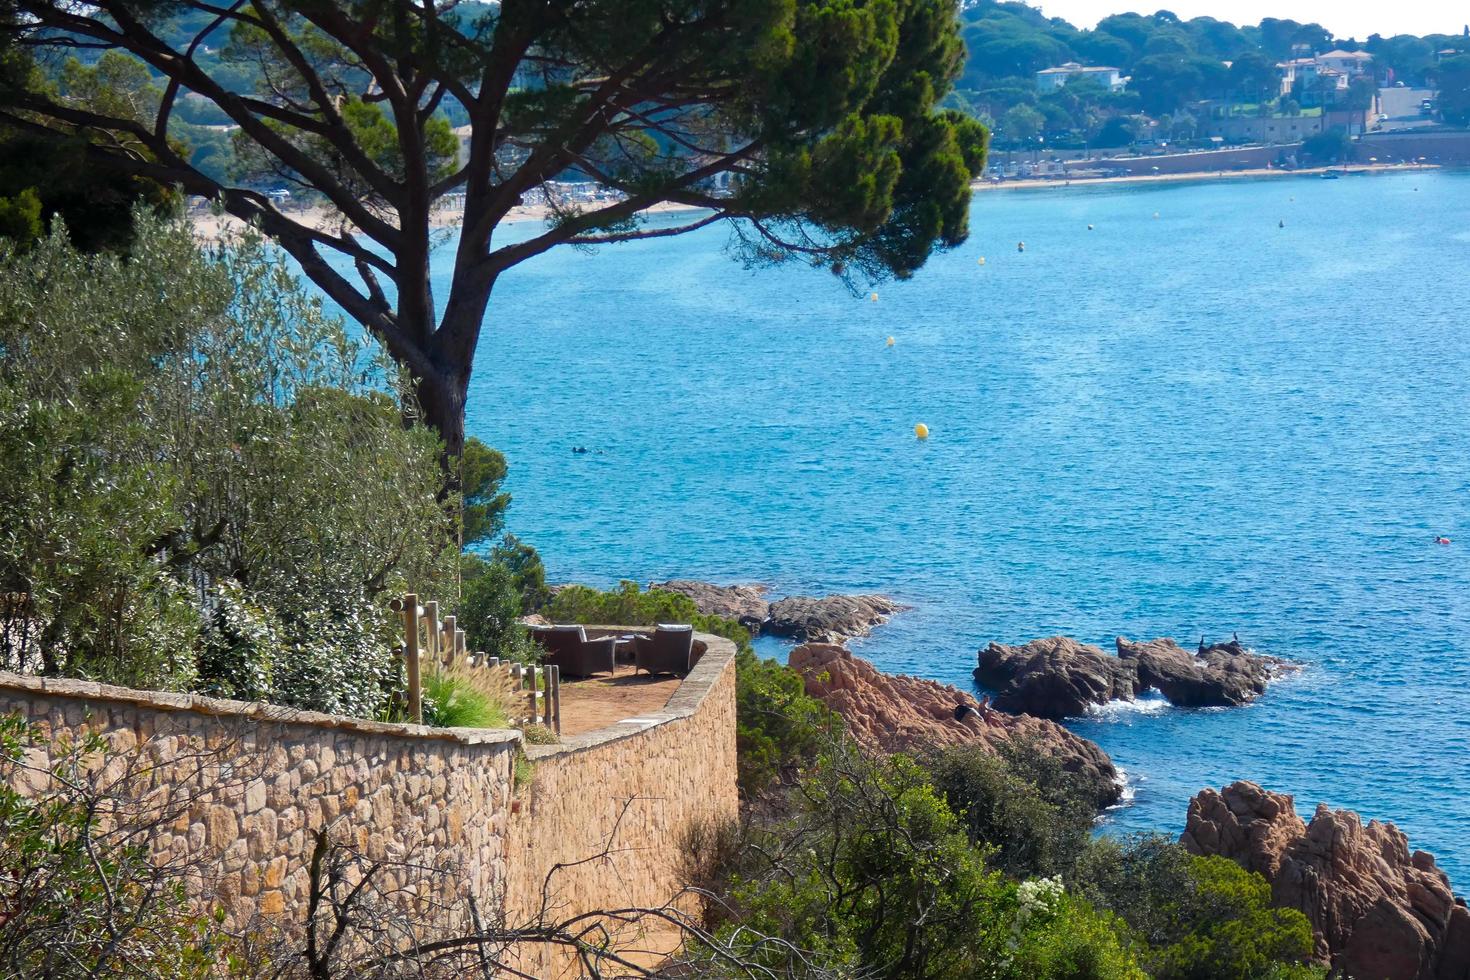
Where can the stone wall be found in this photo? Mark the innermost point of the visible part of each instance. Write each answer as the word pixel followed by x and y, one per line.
pixel 245 784
pixel 611 807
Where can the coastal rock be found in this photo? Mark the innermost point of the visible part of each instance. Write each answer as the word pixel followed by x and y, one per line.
pixel 1053 678
pixel 1221 675
pixel 1379 911
pixel 831 619
pixel 744 603
pixel 895 713
pixel 1058 677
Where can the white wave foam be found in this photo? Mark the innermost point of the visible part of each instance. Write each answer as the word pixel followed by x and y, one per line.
pixel 1151 703
pixel 1127 790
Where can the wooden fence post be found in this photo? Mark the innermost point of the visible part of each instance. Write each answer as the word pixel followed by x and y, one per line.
pixel 431 630
pixel 411 657
pixel 535 676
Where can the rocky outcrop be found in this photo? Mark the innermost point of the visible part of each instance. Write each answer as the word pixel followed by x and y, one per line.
pixel 831 619
pixel 895 713
pixel 744 603
pixel 1058 677
pixel 1053 678
pixel 1379 911
pixel 1221 675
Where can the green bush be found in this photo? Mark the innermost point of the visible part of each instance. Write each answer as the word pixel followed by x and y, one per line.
pixel 1029 830
pixel 1196 918
pixel 237 647
pixel 489 611
pixel 779 728
pixel 185 423
pixel 1229 929
pixel 868 873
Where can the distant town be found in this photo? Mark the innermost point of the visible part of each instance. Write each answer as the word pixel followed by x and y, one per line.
pixel 1063 101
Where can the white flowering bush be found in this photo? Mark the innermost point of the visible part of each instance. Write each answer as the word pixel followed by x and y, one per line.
pixel 1039 901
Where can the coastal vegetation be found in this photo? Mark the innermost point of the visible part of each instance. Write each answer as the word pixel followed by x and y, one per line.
pixel 207 483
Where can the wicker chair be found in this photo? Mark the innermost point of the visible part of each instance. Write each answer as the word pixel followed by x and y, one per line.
pixel 567 647
pixel 669 651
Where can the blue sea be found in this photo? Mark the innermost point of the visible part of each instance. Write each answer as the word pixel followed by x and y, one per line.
pixel 1186 421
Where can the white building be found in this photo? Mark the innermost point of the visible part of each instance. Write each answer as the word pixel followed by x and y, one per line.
pixel 1051 79
pixel 1350 63
pixel 1335 69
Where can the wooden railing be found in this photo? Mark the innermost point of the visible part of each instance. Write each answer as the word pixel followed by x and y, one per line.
pixel 430 638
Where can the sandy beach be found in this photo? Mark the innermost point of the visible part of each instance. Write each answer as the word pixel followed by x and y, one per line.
pixel 209 225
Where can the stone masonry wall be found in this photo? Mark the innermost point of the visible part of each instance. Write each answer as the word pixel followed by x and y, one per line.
pixel 627 792
pixel 248 783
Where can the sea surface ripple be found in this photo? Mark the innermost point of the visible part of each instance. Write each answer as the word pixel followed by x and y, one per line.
pixel 1192 424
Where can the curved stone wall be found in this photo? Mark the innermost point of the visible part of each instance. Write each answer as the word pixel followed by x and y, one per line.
pixel 246 784
pixel 602 822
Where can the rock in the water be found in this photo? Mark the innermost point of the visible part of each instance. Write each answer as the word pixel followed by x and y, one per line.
pixel 832 619
pixel 1053 678
pixel 1379 911
pixel 1058 677
pixel 743 603
pixel 1222 675
pixel 895 713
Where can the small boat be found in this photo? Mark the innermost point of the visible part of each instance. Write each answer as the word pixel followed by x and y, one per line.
pixel 1330 175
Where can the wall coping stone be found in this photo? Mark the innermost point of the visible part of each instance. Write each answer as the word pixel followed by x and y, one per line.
pixel 683 703
pixel 719 655
pixel 79 690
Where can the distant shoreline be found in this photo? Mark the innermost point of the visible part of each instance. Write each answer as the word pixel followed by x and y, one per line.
pixel 1046 183
pixel 211 226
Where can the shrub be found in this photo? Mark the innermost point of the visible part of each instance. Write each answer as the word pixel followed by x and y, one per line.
pixel 779 728
pixel 489 612
pixel 183 423
pixel 1229 929
pixel 871 874
pixel 1196 918
pixel 237 647
pixel 1029 830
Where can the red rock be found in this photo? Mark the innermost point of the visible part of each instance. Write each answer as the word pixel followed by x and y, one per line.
pixel 1379 913
pixel 897 713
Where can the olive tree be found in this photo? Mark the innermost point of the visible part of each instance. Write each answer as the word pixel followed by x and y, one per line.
pixel 810 125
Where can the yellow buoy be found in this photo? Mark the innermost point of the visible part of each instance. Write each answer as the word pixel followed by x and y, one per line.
pixel 873 297
pixel 890 341
pixel 980 261
pixel 921 430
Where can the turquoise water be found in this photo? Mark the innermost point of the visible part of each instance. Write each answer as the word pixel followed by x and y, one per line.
pixel 1192 424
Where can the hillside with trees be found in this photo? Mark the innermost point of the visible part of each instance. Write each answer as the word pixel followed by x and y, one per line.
pixel 1169 62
